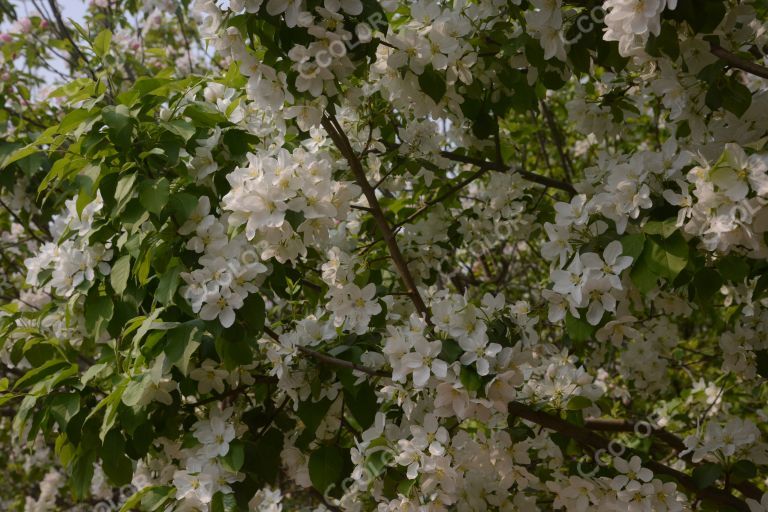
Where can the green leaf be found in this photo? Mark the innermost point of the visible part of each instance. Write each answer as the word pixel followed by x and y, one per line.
pixel 183 341
pixel 182 205
pixel 432 83
pixel 120 124
pixel 632 245
pixel 124 191
pixel 451 351
pixel 362 404
pixel 664 228
pixel 149 497
pixel 578 328
pixel 40 373
pixel 743 470
pixel 311 414
pixel 325 467
pixel 667 258
pixel 642 275
pixel 707 282
pixel 234 348
pixel 470 379
pixel 706 474
pixel 19 154
pixel 101 43
pixel 118 278
pixel 666 42
pixel 235 457
pixel 81 473
pixel 253 314
pixel 577 403
pixel 404 486
pixel 223 503
pixel 181 128
pixel 204 114
pixel 98 309
pixel 117 466
pixel 134 390
pixel 169 282
pixel 702 15
pixel 153 194
pixel 737 98
pixel 733 269
pixel 73 120
pixel 63 407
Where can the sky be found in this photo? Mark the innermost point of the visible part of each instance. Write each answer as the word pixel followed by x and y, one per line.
pixel 74 9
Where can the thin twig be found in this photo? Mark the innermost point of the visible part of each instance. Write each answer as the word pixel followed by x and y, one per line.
pixel 475 175
pixel 557 137
pixel 66 34
pixel 21 222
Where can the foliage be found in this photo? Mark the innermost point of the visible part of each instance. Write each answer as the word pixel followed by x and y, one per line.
pixel 384 255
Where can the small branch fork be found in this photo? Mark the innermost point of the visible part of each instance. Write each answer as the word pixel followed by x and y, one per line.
pixel 586 437
pixel 494 166
pixel 64 31
pixel 341 141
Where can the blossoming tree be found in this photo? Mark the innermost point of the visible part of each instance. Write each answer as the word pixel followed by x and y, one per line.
pixel 402 255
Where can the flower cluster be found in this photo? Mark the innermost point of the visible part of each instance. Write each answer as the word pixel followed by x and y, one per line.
pixel 724 204
pixel 230 270
pixel 70 260
pixel 271 188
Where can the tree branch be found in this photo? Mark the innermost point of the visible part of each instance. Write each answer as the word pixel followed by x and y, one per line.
pixel 530 176
pixel 557 137
pixel 587 438
pixel 330 360
pixel 737 62
pixel 621 425
pixel 342 143
pixel 65 34
pixel 475 175
pixel 19 221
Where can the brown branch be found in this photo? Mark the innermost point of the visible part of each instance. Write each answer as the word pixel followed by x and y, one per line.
pixel 444 196
pixel 330 360
pixel 21 222
pixel 64 31
pixel 621 425
pixel 342 143
pixel 180 18
pixel 4 368
pixel 737 62
pixel 272 418
pixel 559 141
pixel 587 438
pixel 530 176
pixel 748 489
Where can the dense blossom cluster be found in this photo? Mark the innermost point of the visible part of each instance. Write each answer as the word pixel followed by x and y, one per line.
pixel 398 255
pixel 69 260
